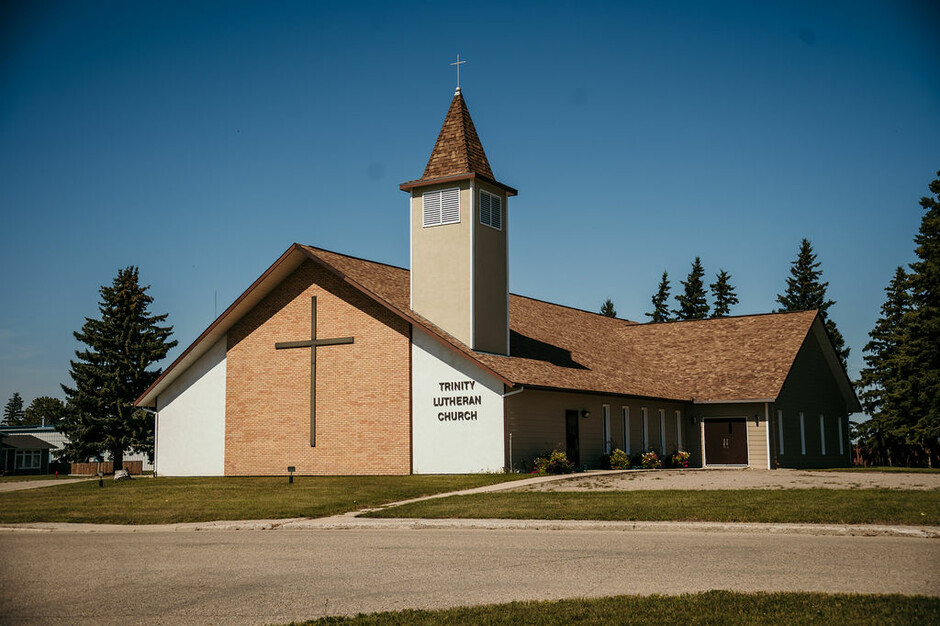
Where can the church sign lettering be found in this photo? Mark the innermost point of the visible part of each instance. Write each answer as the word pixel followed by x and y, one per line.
pixel 456 398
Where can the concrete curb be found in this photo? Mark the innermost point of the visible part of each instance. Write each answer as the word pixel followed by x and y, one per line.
pixel 352 523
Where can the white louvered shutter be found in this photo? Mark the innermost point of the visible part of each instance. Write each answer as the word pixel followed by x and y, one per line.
pixel 485 208
pixel 496 213
pixel 432 208
pixel 450 206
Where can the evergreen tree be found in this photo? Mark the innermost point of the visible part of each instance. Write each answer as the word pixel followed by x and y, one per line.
pixel 920 349
pixel 13 411
pixel 661 301
pixel 723 293
pixel 44 410
pixel 805 292
pixel 878 384
pixel 693 304
pixel 608 310
pixel 112 372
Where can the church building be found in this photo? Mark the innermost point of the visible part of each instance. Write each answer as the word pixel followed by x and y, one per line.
pixel 333 364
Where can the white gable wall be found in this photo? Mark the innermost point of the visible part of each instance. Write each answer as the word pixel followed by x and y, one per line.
pixel 457 412
pixel 190 437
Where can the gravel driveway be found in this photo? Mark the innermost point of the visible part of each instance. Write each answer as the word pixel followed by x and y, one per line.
pixel 739 479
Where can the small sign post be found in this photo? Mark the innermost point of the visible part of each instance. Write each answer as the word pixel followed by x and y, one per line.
pixel 290 470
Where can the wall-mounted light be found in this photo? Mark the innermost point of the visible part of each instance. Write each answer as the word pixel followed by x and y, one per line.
pixel 756 420
pixel 585 413
pixel 694 419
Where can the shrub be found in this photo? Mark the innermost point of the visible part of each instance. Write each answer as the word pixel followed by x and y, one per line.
pixel 619 460
pixel 605 462
pixel 555 463
pixel 680 459
pixel 650 460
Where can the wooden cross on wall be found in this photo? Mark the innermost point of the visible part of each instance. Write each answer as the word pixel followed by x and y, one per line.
pixel 313 343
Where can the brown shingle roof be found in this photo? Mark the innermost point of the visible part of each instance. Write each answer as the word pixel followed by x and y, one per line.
pixel 458 149
pixel 553 346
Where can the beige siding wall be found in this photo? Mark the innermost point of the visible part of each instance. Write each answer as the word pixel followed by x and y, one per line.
pixel 811 389
pixel 536 420
pixel 491 278
pixel 440 265
pixel 756 429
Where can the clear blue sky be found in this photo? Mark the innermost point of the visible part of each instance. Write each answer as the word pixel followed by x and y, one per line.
pixel 198 140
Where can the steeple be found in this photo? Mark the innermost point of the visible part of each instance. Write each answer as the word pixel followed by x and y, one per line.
pixel 459 237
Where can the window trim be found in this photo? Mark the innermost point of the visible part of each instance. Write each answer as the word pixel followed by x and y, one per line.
pixel 605 416
pixel 822 434
pixel 780 431
pixel 20 456
pixel 802 434
pixel 646 428
pixel 678 429
pixel 662 431
pixel 625 425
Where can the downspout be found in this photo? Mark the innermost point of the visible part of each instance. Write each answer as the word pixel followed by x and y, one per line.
pixel 506 395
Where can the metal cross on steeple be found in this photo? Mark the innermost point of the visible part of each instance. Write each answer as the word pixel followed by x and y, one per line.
pixel 458 64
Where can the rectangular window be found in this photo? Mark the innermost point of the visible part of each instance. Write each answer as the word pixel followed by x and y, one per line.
pixel 646 429
pixel 802 435
pixel 28 459
pixel 822 434
pixel 662 432
pixel 678 430
pixel 441 207
pixel 841 450
pixel 605 410
pixel 491 210
pixel 780 431
pixel 625 424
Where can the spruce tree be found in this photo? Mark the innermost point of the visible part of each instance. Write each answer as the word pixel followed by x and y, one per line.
pixel 608 310
pixel 693 304
pixel 112 371
pixel 661 301
pixel 920 349
pixel 13 411
pixel 805 292
pixel 723 293
pixel 879 385
pixel 44 410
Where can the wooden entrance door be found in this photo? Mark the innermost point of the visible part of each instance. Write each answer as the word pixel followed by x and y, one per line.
pixel 572 445
pixel 726 442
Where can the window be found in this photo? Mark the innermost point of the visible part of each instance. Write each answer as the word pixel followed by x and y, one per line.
pixel 605 411
pixel 491 210
pixel 841 451
pixel 822 434
pixel 780 431
pixel 646 429
pixel 441 207
pixel 678 430
pixel 802 435
pixel 662 432
pixel 28 459
pixel 625 424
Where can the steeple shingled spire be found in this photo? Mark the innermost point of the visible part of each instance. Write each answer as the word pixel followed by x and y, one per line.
pixel 458 149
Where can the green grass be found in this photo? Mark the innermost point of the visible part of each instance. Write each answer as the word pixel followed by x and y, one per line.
pixel 817 506
pixel 171 500
pixel 710 607
pixel 880 468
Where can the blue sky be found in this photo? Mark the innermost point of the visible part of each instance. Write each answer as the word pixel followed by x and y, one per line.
pixel 198 140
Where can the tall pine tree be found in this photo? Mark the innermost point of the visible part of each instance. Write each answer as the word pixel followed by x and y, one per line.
pixel 879 385
pixel 920 350
pixel 805 292
pixel 661 301
pixel 693 303
pixel 112 371
pixel 723 293
pixel 13 411
pixel 607 309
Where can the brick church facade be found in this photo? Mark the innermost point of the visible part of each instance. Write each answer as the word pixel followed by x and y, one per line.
pixel 337 365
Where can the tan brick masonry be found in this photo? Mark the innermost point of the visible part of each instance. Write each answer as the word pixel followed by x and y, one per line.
pixel 363 389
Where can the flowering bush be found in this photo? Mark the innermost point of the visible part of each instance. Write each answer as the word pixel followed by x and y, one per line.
pixel 555 463
pixel 650 460
pixel 681 458
pixel 619 460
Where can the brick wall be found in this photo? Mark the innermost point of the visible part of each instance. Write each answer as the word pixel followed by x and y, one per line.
pixel 363 389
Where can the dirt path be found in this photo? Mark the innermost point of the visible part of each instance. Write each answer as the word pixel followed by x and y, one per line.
pixel 739 479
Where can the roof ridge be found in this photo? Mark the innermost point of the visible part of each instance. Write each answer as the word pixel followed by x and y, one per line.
pixel 458 149
pixel 728 317
pixel 351 256
pixel 574 308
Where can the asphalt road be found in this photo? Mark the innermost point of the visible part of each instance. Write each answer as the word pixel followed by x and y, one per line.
pixel 278 576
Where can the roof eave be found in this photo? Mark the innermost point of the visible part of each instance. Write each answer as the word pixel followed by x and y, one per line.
pixel 424 182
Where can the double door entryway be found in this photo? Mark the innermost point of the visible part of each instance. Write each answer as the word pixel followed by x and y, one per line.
pixel 726 441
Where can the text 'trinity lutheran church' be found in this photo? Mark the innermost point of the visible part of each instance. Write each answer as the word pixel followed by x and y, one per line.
pixel 337 365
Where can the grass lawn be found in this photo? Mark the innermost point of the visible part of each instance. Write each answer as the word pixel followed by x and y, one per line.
pixel 881 468
pixel 170 500
pixel 818 506
pixel 711 607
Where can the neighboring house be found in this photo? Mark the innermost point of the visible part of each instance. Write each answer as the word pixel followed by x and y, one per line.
pixel 24 454
pixel 50 435
pixel 333 364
